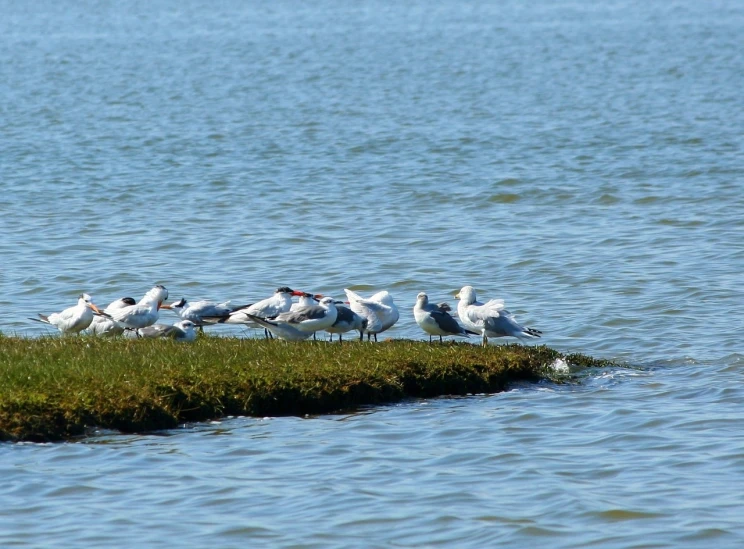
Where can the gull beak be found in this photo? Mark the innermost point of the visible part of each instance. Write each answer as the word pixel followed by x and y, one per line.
pixel 457 295
pixel 164 306
pixel 95 309
pixel 297 292
pixel 318 296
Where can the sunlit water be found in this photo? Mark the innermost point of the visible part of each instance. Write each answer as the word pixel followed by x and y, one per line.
pixel 581 160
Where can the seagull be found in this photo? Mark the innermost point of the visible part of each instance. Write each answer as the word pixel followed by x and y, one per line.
pixel 73 319
pixel 347 320
pixel 278 303
pixel 180 331
pixel 379 310
pixel 104 325
pixel 489 319
pixel 202 312
pixel 435 319
pixel 145 312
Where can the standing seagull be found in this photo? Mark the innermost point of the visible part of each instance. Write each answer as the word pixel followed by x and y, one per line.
pixel 490 319
pixel 379 310
pixel 347 320
pixel 104 325
pixel 145 312
pixel 73 319
pixel 180 331
pixel 435 320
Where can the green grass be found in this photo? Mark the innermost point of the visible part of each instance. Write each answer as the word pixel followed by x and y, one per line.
pixel 55 388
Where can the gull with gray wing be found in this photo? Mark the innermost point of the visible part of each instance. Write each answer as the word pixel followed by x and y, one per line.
pixel 435 320
pixel 489 319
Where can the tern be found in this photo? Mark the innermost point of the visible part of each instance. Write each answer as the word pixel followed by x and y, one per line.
pixel 74 319
pixel 145 312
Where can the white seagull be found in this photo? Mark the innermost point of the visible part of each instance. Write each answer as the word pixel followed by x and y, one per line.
pixel 104 325
pixel 73 319
pixel 379 310
pixel 489 319
pixel 144 313
pixel 347 320
pixel 435 319
pixel 180 331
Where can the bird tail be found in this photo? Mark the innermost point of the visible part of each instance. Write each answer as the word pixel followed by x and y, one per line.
pixel 531 332
pixel 42 318
pixel 261 321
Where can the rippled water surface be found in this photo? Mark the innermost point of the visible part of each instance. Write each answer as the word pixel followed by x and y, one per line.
pixel 581 160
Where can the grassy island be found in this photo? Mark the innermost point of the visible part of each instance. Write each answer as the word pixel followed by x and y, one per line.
pixel 55 388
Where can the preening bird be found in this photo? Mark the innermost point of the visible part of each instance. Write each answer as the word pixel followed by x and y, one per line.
pixel 489 319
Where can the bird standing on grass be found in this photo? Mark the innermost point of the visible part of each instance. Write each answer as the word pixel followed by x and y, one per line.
pixel 379 310
pixel 490 318
pixel 347 320
pixel 435 320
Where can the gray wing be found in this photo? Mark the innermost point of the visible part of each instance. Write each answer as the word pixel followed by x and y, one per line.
pixel 505 324
pixel 302 314
pixel 344 315
pixel 160 330
pixel 446 322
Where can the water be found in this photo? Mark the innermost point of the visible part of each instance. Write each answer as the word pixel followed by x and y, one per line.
pixel 580 160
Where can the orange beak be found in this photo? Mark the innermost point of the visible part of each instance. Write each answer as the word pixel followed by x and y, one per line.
pixel 163 306
pixel 96 309
pixel 318 296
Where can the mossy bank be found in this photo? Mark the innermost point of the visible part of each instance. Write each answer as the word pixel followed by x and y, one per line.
pixel 55 388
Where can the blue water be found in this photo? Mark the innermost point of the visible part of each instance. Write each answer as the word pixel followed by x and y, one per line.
pixel 581 160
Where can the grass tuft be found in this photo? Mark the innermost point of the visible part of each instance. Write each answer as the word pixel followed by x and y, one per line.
pixel 57 388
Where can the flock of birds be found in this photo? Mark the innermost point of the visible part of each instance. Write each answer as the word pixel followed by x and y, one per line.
pixel 279 316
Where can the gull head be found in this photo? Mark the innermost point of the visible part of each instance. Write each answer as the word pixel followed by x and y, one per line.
pixel 327 302
pixel 466 294
pixel 422 299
